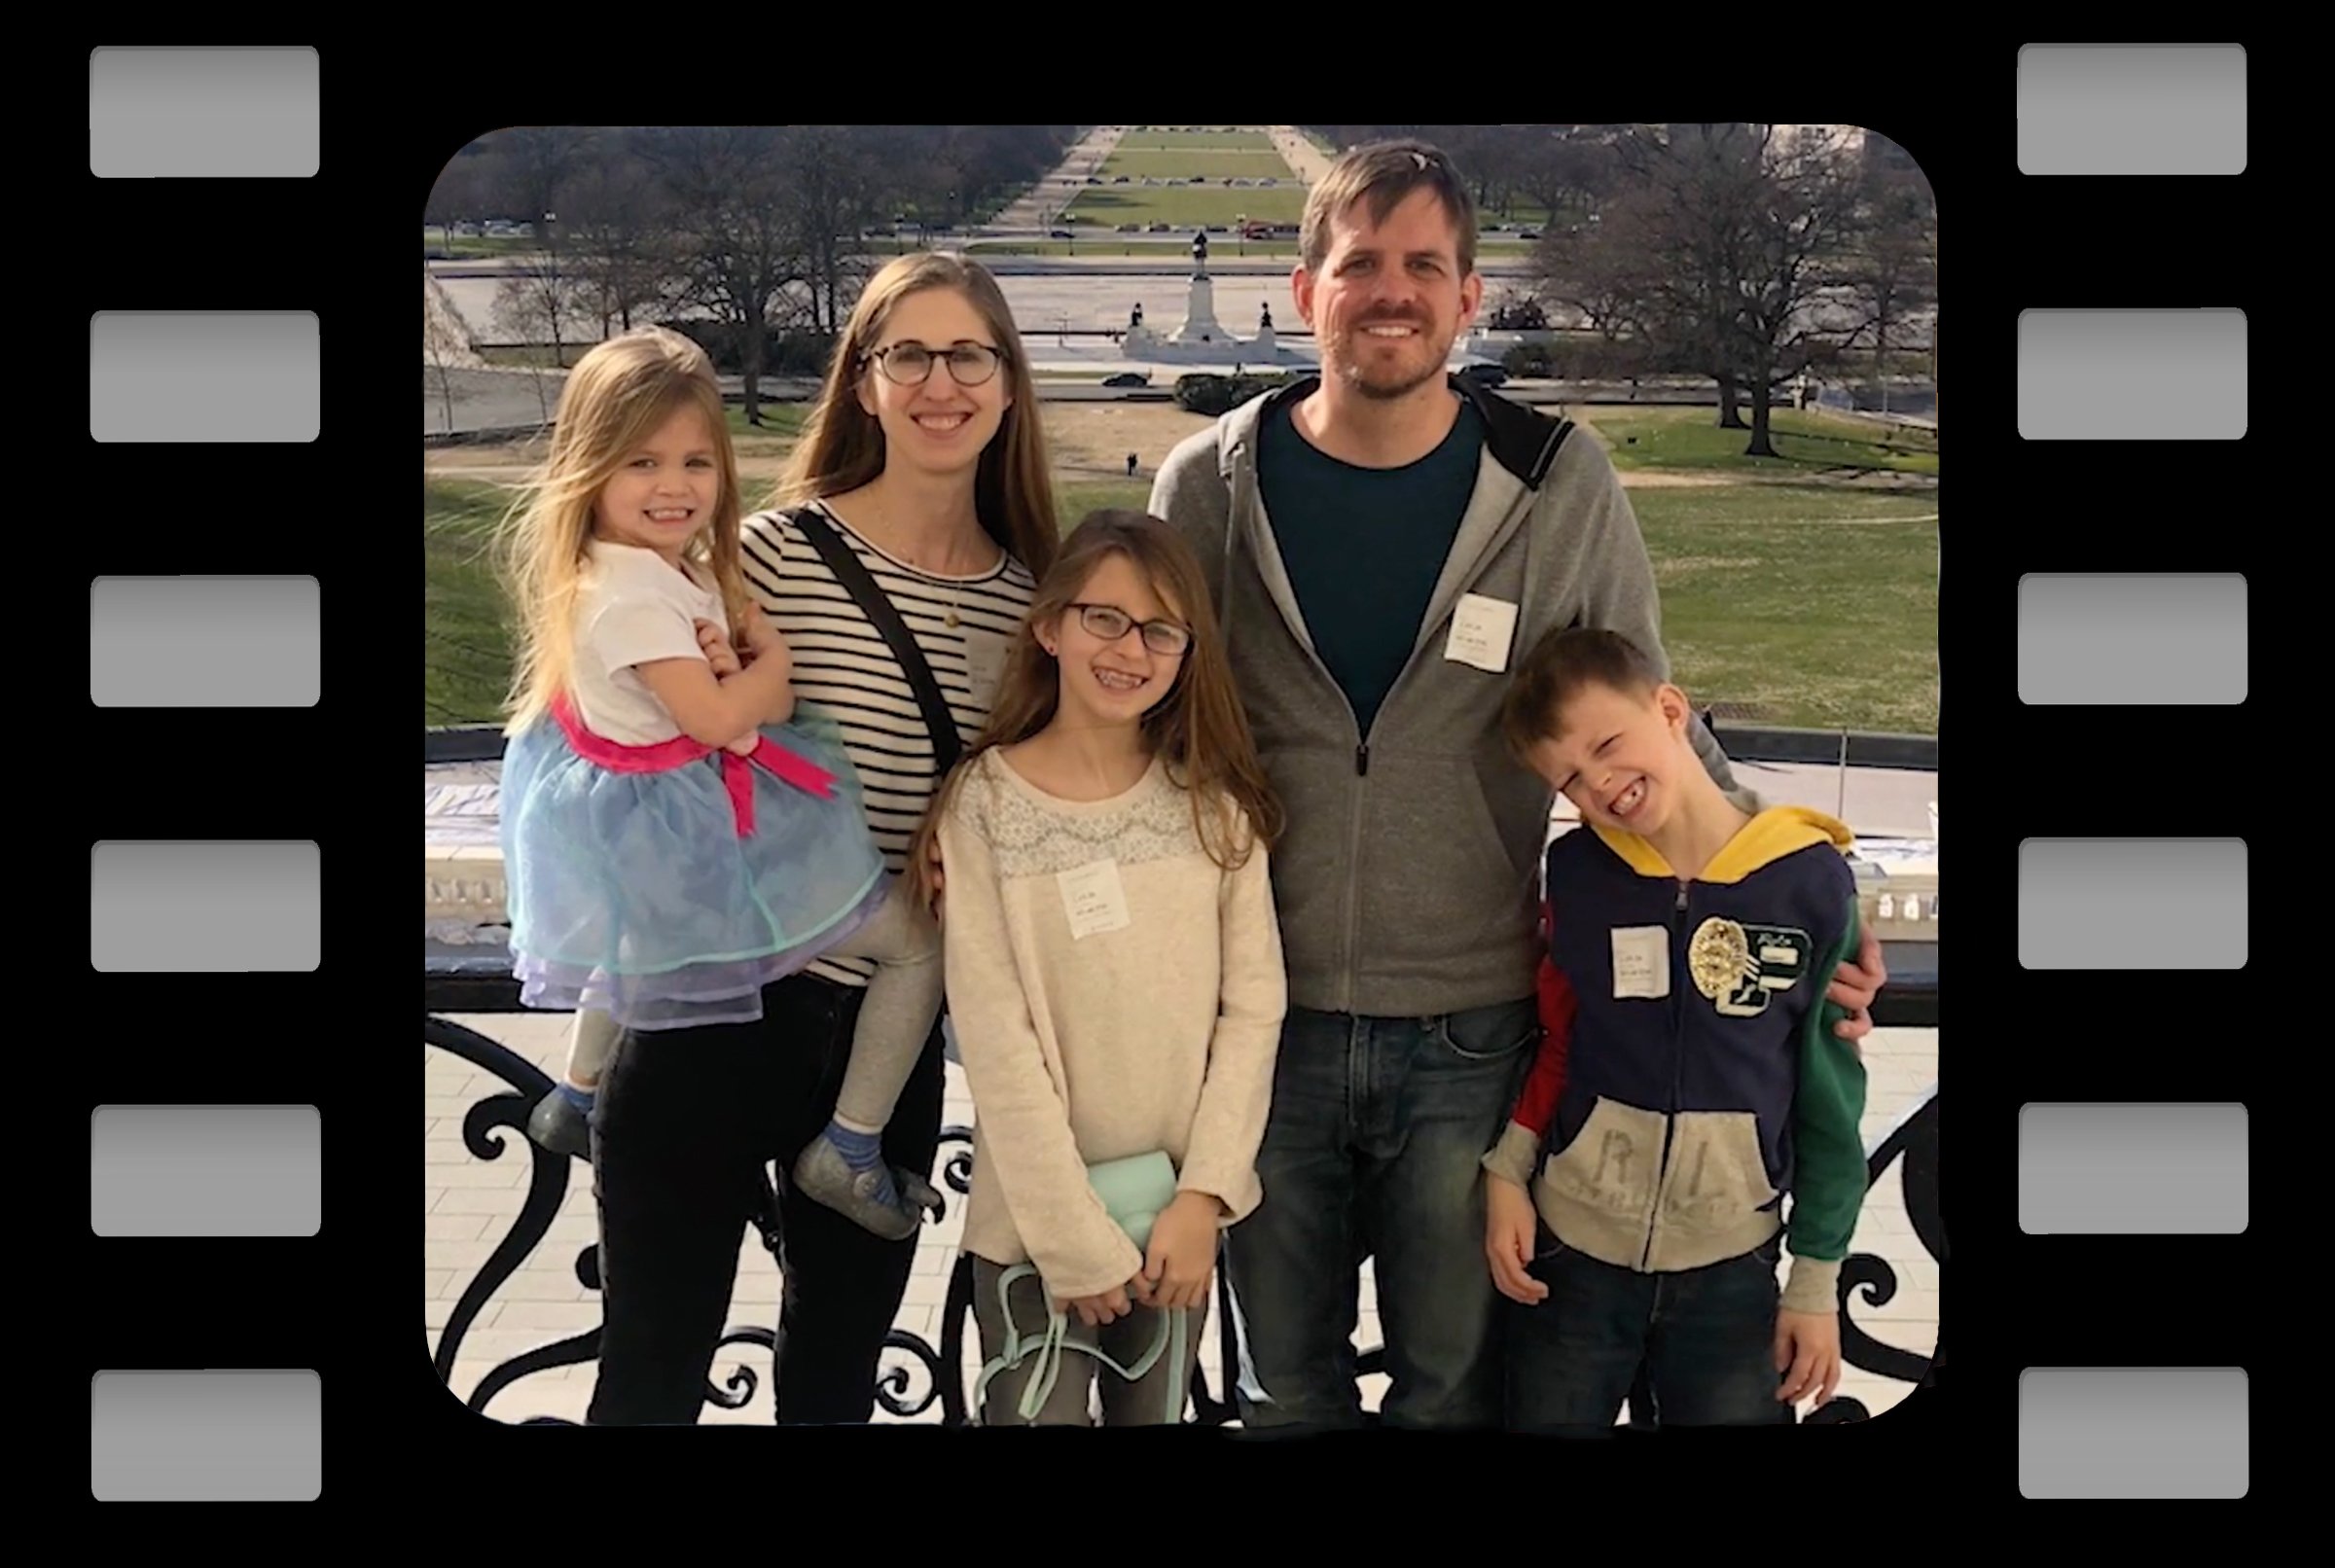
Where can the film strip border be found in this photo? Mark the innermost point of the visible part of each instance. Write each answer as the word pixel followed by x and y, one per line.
pixel 207 222
pixel 2136 747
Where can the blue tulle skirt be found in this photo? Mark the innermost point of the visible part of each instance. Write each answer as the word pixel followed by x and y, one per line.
pixel 636 895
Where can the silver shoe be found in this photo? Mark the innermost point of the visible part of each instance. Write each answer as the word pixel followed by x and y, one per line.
pixel 560 1125
pixel 822 1175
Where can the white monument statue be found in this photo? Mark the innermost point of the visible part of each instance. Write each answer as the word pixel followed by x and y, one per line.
pixel 1202 338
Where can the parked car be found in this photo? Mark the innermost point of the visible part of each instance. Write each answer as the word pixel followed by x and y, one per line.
pixel 1119 179
pixel 1126 378
pixel 1163 229
pixel 1062 233
pixel 1484 374
pixel 1527 234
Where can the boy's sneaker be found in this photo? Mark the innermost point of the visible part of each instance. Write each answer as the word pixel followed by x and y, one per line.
pixel 563 1122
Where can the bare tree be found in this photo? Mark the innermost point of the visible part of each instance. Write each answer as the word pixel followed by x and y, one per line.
pixel 1806 220
pixel 834 195
pixel 1893 272
pixel 1653 260
pixel 442 342
pixel 456 196
pixel 532 168
pixel 527 170
pixel 616 242
pixel 527 305
pixel 1564 170
pixel 1721 248
pixel 735 230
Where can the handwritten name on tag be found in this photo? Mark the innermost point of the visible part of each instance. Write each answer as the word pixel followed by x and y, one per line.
pixel 1642 962
pixel 1482 631
pixel 1092 899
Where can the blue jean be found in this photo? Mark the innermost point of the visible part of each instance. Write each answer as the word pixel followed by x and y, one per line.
pixel 1372 1150
pixel 1698 1345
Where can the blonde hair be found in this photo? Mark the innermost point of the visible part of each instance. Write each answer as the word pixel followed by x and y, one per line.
pixel 843 445
pixel 615 400
pixel 1383 175
pixel 1199 728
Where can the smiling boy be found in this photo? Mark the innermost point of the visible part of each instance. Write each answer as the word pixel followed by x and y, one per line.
pixel 1689 1078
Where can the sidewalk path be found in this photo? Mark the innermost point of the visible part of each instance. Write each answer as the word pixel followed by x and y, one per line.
pixel 1051 193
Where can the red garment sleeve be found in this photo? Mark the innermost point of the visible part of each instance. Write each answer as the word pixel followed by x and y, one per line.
pixel 1536 1104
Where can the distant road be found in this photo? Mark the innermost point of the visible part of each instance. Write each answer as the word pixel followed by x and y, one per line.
pixel 1174 261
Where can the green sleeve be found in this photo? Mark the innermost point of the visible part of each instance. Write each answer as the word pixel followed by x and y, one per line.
pixel 1828 1183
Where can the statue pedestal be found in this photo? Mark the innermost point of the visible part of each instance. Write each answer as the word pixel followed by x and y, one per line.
pixel 1199 316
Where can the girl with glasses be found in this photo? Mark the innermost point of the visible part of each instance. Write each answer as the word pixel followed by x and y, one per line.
pixel 1114 970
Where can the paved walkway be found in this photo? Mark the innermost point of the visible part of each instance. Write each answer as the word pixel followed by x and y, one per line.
pixel 468 1206
pixel 1052 192
pixel 1306 160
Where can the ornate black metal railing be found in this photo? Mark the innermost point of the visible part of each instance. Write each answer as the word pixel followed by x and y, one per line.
pixel 1912 1146
pixel 914 1375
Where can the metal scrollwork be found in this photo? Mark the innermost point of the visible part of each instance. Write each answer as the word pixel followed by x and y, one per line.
pixel 1912 1145
pixel 496 1123
pixel 546 1186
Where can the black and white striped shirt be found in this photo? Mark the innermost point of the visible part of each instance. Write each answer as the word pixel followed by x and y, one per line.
pixel 842 665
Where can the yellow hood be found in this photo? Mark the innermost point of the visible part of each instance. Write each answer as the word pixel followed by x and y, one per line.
pixel 1777 832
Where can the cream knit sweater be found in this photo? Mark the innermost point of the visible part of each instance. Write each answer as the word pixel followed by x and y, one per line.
pixel 1153 1030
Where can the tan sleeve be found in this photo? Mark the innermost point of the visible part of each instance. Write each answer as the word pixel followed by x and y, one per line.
pixel 1221 1158
pixel 1016 1081
pixel 1512 1158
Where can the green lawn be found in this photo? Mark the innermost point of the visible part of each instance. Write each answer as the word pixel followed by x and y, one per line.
pixel 777 418
pixel 1186 205
pixel 1811 606
pixel 1689 438
pixel 1786 602
pixel 1240 140
pixel 466 653
pixel 1184 165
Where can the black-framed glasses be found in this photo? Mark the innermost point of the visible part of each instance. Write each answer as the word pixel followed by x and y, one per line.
pixel 911 364
pixel 1167 638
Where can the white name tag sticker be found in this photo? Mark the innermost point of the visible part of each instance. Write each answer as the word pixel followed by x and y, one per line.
pixel 1094 900
pixel 984 664
pixel 1481 631
pixel 1642 962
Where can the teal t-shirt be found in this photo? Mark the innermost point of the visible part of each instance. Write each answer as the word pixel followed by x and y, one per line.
pixel 1365 546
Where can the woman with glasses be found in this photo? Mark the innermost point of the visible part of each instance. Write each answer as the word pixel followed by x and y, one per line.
pixel 917 507
pixel 1114 970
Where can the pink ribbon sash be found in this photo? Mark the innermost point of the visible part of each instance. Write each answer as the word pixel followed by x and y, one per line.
pixel 738 772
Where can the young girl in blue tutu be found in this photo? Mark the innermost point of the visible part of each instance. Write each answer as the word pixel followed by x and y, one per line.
pixel 676 832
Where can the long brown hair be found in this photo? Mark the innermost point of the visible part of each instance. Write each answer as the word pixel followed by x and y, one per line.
pixel 843 445
pixel 614 400
pixel 1199 728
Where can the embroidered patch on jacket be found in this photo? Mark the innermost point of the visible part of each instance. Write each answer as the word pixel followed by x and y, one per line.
pixel 1738 966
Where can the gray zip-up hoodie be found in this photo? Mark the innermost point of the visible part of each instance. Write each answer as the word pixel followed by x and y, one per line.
pixel 1406 883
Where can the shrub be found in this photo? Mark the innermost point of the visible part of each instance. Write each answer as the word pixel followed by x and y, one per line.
pixel 1214 395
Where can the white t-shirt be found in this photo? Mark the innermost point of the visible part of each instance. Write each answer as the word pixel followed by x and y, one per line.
pixel 633 608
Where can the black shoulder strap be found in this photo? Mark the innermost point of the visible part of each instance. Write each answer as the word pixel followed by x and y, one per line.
pixel 946 743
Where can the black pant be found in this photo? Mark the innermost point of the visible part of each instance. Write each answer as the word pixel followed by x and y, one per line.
pixel 685 1120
